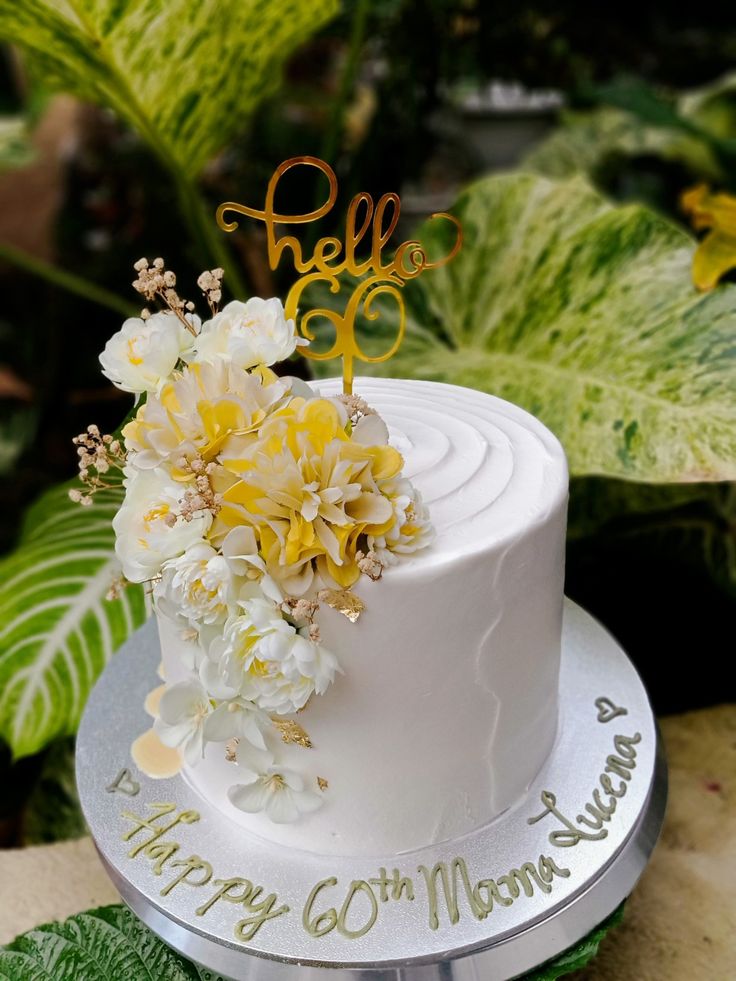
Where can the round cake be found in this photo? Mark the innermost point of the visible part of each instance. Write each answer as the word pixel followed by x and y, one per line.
pixel 445 704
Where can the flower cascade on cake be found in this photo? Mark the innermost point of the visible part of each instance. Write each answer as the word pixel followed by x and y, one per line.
pixel 249 502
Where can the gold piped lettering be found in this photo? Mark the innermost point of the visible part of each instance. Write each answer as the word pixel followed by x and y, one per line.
pixel 189 866
pixel 599 812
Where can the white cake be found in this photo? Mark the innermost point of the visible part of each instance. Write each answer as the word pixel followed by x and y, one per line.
pixel 447 704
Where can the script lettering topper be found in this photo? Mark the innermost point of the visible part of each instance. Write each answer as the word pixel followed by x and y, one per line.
pixel 331 257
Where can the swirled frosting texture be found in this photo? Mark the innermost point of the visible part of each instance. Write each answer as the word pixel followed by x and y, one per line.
pixel 447 707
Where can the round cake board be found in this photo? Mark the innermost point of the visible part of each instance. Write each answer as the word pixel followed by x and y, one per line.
pixel 493 904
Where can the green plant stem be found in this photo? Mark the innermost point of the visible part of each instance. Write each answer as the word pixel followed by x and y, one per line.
pixel 208 236
pixel 333 132
pixel 68 281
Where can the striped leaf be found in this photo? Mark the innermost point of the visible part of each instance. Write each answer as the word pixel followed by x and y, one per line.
pixel 57 630
pixel 186 75
pixel 585 314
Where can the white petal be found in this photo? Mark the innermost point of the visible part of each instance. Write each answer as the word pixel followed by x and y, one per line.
pixel 281 807
pixel 180 701
pixel 172 735
pixel 251 730
pixel 194 748
pixel 293 780
pixel 250 798
pixel 370 430
pixel 371 508
pixel 309 800
pixel 221 725
pixel 252 762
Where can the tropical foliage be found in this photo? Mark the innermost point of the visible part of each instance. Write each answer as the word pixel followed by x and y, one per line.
pixel 110 944
pixel 185 77
pixel 58 629
pixel 695 129
pixel 585 314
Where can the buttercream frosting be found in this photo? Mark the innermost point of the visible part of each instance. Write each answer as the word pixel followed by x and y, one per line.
pixel 447 707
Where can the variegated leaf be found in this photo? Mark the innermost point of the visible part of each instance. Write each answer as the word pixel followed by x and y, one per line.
pixel 583 313
pixel 57 629
pixel 186 75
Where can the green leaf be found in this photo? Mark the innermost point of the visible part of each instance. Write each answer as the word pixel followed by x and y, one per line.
pixel 584 314
pixel 17 429
pixel 596 141
pixel 52 811
pixel 690 523
pixel 185 75
pixel 106 944
pixel 57 630
pixel 697 130
pixel 15 148
pixel 580 954
pixel 110 944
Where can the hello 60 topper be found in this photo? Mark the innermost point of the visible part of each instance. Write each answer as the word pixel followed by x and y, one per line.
pixel 331 257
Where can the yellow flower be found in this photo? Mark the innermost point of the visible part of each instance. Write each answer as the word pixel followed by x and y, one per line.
pixel 716 253
pixel 310 492
pixel 197 412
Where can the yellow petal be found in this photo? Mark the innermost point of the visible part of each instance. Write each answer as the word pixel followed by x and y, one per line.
pixel 714 257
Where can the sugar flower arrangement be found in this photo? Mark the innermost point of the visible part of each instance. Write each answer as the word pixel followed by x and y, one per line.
pixel 249 503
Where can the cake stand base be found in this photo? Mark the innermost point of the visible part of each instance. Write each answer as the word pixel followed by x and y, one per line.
pixel 491 905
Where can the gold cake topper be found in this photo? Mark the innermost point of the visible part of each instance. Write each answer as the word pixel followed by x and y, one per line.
pixel 331 257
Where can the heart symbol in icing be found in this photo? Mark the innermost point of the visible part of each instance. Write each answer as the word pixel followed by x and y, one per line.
pixel 607 710
pixel 124 784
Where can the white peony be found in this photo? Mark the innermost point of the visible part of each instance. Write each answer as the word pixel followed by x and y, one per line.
pixel 202 587
pixel 264 658
pixel 198 585
pixel 248 334
pixel 143 354
pixel 281 793
pixel 182 714
pixel 147 527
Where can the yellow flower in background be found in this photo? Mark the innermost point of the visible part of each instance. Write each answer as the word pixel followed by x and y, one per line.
pixel 310 492
pixel 716 253
pixel 196 413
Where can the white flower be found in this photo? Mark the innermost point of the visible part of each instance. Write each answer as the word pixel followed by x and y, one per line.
pixel 248 334
pixel 280 793
pixel 143 353
pixel 265 659
pixel 199 585
pixel 182 714
pixel 240 550
pixel 197 412
pixel 147 527
pixel 238 719
pixel 411 529
pixel 203 586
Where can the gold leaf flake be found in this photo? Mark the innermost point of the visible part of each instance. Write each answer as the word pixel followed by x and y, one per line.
pixel 292 732
pixel 322 783
pixel 345 602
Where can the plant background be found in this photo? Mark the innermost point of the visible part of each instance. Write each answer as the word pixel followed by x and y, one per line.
pixel 110 150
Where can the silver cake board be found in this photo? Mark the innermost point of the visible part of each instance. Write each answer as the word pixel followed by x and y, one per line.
pixel 490 905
